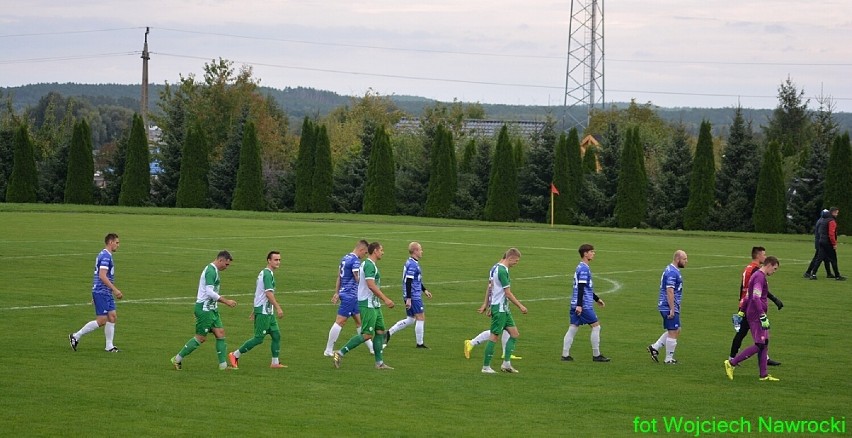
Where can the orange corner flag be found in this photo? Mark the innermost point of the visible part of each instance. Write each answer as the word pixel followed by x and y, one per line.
pixel 553 189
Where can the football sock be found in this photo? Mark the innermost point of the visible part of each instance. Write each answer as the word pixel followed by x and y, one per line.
pixel 671 344
pixel 489 353
pixel 377 349
pixel 249 344
pixel 109 334
pixel 662 341
pixel 370 345
pixel 352 343
pixel 510 347
pixel 221 350
pixel 503 339
pixel 237 353
pixel 763 357
pixel 596 341
pixel 275 349
pixel 189 347
pixel 482 337
pixel 418 331
pixel 568 340
pixel 401 324
pixel 88 328
pixel 333 334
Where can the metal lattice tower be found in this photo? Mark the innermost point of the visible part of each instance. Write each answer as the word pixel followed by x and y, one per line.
pixel 584 79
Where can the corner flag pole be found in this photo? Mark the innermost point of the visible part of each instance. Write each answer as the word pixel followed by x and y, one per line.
pixel 553 191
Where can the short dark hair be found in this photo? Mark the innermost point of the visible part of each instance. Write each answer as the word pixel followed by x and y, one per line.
pixel 272 253
pixel 833 209
pixel 109 238
pixel 755 250
pixel 373 247
pixel 771 261
pixel 223 254
pixel 584 248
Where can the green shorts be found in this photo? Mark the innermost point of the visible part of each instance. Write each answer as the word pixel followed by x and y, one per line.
pixel 206 320
pixel 372 320
pixel 500 320
pixel 264 325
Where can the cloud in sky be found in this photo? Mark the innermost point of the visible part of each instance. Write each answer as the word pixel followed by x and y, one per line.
pixel 669 52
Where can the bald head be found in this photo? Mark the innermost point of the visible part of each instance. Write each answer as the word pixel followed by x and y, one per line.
pixel 679 258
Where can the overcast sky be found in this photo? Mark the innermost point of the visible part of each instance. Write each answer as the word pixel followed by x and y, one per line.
pixel 669 52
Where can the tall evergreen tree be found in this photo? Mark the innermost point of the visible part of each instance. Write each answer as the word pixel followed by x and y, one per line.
pixel 468 155
pixel 670 190
pixel 632 195
pixel 502 204
pixel 597 201
pixel 195 164
pixel 323 175
pixel 702 182
pixel 248 193
pixel 838 182
pixel 769 203
pixel 790 121
pixel 518 153
pixel 380 188
pixel 7 135
pixel 735 182
pixel 590 159
pixel 223 174
pixel 535 176
pixel 79 187
pixel 23 182
pixel 174 127
pixel 136 181
pixel 562 212
pixel 443 177
pixel 305 166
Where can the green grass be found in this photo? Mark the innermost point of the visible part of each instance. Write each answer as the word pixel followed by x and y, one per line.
pixel 46 262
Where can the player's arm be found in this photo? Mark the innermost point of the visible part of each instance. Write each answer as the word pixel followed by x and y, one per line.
pixel 426 291
pixel 371 283
pixel 832 233
pixel 409 284
pixel 670 299
pixel 581 290
pixel 508 291
pixel 487 299
pixel 335 297
pixel 598 299
pixel 102 275
pixel 775 300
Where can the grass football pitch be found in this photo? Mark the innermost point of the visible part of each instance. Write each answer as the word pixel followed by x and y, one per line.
pixel 46 265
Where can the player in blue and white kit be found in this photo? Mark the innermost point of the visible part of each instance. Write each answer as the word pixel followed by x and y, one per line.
pixel 346 293
pixel 582 309
pixel 104 293
pixel 412 294
pixel 671 292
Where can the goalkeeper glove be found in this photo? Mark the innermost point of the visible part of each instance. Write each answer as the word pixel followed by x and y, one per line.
pixel 741 314
pixel 764 322
pixel 777 301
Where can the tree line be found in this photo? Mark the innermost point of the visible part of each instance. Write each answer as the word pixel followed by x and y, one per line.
pixel 226 145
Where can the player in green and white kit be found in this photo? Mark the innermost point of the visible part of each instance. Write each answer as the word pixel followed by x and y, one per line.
pixel 264 318
pixel 370 306
pixel 498 295
pixel 207 312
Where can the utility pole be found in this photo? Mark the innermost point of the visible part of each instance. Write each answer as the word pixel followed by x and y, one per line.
pixel 145 58
pixel 584 78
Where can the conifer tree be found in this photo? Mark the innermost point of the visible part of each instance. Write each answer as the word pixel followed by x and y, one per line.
pixel 195 164
pixel 136 181
pixel 79 187
pixel 248 194
pixel 632 199
pixel 769 203
pixel 380 188
pixel 23 182
pixel 502 203
pixel 305 166
pixel 838 182
pixel 323 175
pixel 223 173
pixel 468 155
pixel 561 206
pixel 670 190
pixel 702 183
pixel 590 160
pixel 735 182
pixel 443 178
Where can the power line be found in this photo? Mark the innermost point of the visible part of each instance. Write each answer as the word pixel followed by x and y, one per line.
pixel 67 32
pixel 67 57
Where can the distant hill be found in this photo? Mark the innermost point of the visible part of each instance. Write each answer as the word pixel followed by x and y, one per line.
pixel 300 102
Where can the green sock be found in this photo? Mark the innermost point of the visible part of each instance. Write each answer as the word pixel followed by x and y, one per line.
pixel 353 342
pixel 221 350
pixel 276 344
pixel 489 353
pixel 510 347
pixel 249 344
pixel 190 346
pixel 377 347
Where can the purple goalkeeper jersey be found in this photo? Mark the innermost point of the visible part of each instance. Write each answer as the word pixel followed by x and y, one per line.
pixel 757 297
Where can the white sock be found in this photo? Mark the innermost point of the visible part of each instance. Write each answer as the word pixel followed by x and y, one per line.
pixel 237 354
pixel 596 341
pixel 332 336
pixel 418 331
pixel 401 324
pixel 506 363
pixel 88 328
pixel 568 340
pixel 671 343
pixel 109 334
pixel 480 338
pixel 369 343
pixel 660 342
pixel 503 339
pixel 274 361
